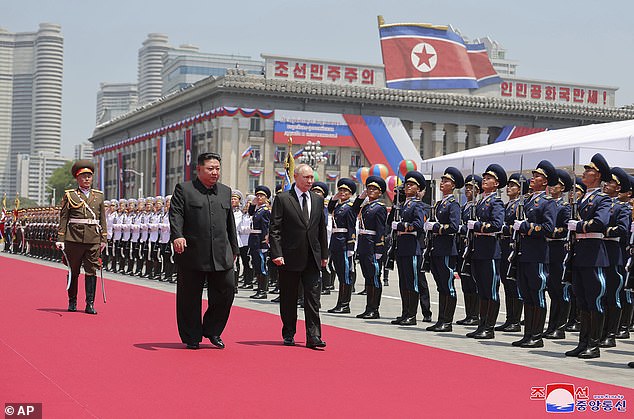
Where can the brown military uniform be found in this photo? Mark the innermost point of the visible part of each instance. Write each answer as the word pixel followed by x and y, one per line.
pixel 82 229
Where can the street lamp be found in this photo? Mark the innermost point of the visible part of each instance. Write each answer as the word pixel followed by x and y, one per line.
pixel 138 174
pixel 312 154
pixel 53 199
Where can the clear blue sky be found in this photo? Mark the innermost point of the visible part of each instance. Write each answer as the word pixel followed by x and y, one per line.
pixel 580 41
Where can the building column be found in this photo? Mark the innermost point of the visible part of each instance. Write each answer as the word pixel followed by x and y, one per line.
pixel 416 133
pixel 437 139
pixel 482 136
pixel 460 138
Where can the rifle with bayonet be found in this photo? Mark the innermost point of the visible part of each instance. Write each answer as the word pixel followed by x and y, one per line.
pixel 520 215
pixel 570 236
pixel 465 269
pixel 396 211
pixel 429 235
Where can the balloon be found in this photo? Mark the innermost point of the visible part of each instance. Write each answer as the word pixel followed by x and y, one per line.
pixel 379 170
pixel 405 166
pixel 392 183
pixel 316 175
pixel 362 174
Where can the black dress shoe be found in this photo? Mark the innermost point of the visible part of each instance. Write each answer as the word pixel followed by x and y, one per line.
pixel 325 291
pixel 630 364
pixel 276 299
pixel 374 314
pixel 314 343
pixel 342 309
pixel 427 319
pixel 408 321
pixel 193 345
pixel 289 341
pixel 468 321
pixel 217 342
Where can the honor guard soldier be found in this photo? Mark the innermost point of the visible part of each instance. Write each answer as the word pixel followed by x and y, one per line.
pixel 321 189
pixel 485 258
pixel 408 247
pixel 590 258
pixel 145 235
pixel 558 288
pixel 258 239
pixel 473 187
pixel 342 242
pixel 121 244
pixel 116 237
pixel 616 233
pixel 110 214
pixel 154 255
pixel 168 251
pixel 82 232
pixel 539 223
pixel 244 229
pixel 126 233
pixel 135 233
pixel 139 228
pixel 627 295
pixel 371 243
pixel 573 324
pixel 517 186
pixel 164 241
pixel 443 248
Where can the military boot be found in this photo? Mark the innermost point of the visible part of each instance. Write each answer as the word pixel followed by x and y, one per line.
pixel 91 288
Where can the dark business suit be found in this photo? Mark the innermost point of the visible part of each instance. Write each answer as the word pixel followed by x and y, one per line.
pixel 302 244
pixel 205 219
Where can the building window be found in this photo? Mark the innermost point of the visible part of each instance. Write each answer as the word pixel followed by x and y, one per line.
pixel 280 154
pixel 332 187
pixel 331 157
pixel 355 159
pixel 256 126
pixel 255 156
pixel 253 182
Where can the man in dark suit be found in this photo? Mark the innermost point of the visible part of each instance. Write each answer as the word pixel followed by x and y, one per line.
pixel 299 246
pixel 204 235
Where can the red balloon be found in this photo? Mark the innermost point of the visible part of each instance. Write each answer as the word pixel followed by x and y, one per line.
pixel 379 170
pixel 406 166
pixel 392 182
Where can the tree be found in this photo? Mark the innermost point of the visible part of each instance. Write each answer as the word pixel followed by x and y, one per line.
pixel 60 180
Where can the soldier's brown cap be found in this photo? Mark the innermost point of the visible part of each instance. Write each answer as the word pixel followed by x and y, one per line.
pixel 82 166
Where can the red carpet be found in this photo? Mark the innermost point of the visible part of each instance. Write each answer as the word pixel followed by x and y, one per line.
pixel 128 362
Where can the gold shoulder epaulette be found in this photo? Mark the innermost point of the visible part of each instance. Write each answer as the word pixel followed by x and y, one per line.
pixel 97 190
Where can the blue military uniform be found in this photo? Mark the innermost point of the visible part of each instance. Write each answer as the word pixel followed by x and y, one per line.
pixel 485 258
pixel 409 251
pixel 370 248
pixel 342 242
pixel 615 234
pixel 444 251
pixel 468 284
pixel 258 243
pixel 540 212
pixel 558 288
pixel 627 294
pixel 590 260
pixel 512 297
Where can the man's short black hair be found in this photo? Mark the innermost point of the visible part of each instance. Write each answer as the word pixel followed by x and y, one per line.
pixel 203 157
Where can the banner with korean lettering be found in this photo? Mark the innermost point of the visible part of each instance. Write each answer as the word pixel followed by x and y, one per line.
pixel 161 164
pixel 120 173
pixel 187 153
pixel 420 56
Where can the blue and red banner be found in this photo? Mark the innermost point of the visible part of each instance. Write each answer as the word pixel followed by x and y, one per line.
pixel 161 165
pixel 419 56
pixel 510 132
pixel 382 139
pixel 120 174
pixel 187 153
pixel 102 174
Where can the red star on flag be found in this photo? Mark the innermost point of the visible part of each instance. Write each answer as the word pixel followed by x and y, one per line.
pixel 424 57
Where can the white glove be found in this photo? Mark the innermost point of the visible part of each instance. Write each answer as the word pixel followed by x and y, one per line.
pixel 394 225
pixel 632 228
pixel 517 224
pixel 470 224
pixel 572 225
pixel 264 250
pixel 377 256
pixel 429 225
pixel 350 253
pixel 60 245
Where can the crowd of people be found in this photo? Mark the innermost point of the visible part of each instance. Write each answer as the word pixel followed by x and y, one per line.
pixel 556 234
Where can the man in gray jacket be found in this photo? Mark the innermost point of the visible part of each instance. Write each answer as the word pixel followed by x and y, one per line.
pixel 204 235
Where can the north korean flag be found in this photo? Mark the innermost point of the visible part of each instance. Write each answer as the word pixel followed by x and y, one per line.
pixel 481 64
pixel 421 56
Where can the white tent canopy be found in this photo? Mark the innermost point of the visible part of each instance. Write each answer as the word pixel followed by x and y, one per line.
pixel 614 140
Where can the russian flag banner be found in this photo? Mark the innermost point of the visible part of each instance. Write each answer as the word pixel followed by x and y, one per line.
pixel 510 132
pixel 161 154
pixel 422 56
